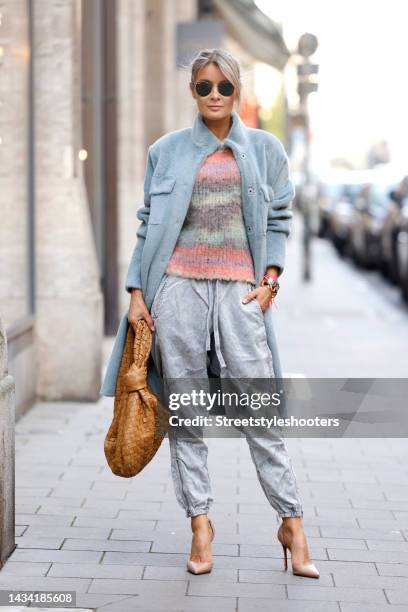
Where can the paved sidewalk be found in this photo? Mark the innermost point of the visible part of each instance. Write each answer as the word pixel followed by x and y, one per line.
pixel 122 544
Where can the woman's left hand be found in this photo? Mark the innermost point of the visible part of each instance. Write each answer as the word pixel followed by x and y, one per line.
pixel 262 294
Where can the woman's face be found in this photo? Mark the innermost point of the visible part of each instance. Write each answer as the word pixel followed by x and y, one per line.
pixel 214 106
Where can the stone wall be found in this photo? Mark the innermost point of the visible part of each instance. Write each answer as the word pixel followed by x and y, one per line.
pixel 7 453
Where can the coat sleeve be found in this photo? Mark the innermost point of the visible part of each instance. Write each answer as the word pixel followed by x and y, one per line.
pixel 279 211
pixel 133 280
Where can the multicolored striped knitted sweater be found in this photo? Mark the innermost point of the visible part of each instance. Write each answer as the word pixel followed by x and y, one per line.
pixel 212 242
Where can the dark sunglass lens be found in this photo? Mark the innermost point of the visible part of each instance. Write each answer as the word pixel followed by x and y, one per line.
pixel 203 88
pixel 226 88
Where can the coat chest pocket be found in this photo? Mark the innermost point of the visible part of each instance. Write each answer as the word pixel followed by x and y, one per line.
pixel 267 192
pixel 161 187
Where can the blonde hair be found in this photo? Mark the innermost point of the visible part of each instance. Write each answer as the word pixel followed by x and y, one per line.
pixel 225 61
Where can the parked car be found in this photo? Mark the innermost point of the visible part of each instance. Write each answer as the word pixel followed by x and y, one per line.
pixel 402 249
pixel 370 212
pixel 389 262
pixel 342 217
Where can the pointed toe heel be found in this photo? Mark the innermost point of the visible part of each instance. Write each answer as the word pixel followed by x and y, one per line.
pixel 307 570
pixel 202 567
pixel 199 567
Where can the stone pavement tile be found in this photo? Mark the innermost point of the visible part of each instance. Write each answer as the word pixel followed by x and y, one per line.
pixel 392 569
pixel 401 515
pixel 284 605
pixel 27 541
pixel 69 488
pixel 379 534
pixel 181 573
pixel 347 567
pixel 282 577
pixel 20 529
pixel 43 583
pixel 26 507
pixel 381 556
pixel 357 607
pixel 31 491
pixel 335 474
pixel 169 603
pixel 95 570
pixel 383 524
pixel 396 494
pixel 62 492
pixel 85 521
pixel 322 593
pixel 327 489
pixel 360 513
pixel 61 510
pixel 146 514
pixel 72 473
pixel 358 474
pixel 105 544
pixel 368 491
pixel 59 556
pixel 44 520
pixel 277 552
pixel 74 501
pixel 84 533
pixel 40 481
pixel 397 596
pixel 374 582
pixel 68 497
pixel 151 490
pixel 143 506
pixel 386 545
pixel 17 568
pixel 240 589
pixel 155 588
pixel 333 542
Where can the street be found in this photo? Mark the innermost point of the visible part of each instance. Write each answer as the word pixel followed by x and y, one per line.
pixel 123 544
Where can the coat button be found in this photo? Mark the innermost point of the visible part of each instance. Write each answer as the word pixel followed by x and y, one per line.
pixel 243 156
pixel 248 228
pixel 251 190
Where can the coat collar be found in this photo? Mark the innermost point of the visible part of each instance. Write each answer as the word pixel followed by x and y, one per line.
pixel 202 136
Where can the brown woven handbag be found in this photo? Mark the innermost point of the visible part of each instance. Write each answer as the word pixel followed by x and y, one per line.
pixel 140 421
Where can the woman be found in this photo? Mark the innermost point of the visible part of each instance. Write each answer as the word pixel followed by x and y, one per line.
pixel 210 249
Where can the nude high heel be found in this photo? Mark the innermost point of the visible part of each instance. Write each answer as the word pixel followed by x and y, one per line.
pixel 308 570
pixel 202 567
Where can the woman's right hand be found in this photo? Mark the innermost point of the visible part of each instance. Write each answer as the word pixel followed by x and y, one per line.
pixel 138 310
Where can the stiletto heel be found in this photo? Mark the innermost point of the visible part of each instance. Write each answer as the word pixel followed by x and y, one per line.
pixel 202 567
pixel 285 556
pixel 308 570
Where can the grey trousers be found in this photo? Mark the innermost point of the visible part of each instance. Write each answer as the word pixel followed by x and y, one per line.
pixel 201 323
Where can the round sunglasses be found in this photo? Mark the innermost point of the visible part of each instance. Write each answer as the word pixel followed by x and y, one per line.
pixel 204 88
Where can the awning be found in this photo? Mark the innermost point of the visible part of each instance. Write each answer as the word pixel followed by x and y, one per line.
pixel 254 30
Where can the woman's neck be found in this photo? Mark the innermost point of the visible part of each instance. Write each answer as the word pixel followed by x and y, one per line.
pixel 219 127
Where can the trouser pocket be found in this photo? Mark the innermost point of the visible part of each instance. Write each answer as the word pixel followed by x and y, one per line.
pixel 159 297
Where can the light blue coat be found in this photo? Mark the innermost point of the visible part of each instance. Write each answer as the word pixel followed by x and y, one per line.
pixel 172 164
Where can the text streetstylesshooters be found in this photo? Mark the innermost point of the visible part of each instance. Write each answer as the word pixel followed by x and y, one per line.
pixel 224 421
